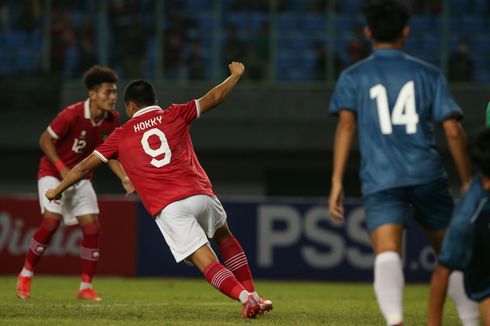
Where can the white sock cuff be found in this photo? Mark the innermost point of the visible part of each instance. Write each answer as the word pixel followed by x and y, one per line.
pixel 394 319
pixel 388 286
pixel 243 296
pixel 26 273
pixel 85 285
pixel 455 282
pixel 473 321
pixel 467 309
pixel 387 256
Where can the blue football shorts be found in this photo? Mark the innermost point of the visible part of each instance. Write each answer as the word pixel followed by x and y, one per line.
pixel 432 204
pixel 477 273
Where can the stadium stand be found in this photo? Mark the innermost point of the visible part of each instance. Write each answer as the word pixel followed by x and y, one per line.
pixel 300 26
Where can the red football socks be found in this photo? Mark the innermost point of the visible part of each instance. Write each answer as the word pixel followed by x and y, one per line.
pixel 236 261
pixel 221 278
pixel 40 241
pixel 89 250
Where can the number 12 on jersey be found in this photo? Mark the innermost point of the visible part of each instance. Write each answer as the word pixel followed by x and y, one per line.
pixel 403 113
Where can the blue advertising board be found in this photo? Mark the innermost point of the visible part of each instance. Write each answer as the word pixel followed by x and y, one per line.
pixel 291 239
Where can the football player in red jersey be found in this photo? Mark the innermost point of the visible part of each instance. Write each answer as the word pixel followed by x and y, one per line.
pixel 73 134
pixel 156 151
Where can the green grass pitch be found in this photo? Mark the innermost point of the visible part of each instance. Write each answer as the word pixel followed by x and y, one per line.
pixel 163 301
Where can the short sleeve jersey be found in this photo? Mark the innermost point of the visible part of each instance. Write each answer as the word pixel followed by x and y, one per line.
pixel 76 136
pixel 396 99
pixel 458 248
pixel 155 149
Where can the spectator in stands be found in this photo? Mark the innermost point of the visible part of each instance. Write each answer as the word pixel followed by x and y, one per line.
pixel 358 47
pixel 320 6
pixel 30 15
pixel 461 63
pixel 86 48
pixel 130 37
pixel 258 54
pixel 4 16
pixel 259 5
pixel 175 37
pixel 83 5
pixel 120 12
pixel 172 5
pixel 356 50
pixel 196 65
pixel 249 5
pixel 234 48
pixel 283 5
pixel 433 7
pixel 62 38
pixel 134 46
pixel 321 61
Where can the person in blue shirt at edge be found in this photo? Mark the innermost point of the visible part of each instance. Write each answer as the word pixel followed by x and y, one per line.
pixel 466 246
pixel 393 99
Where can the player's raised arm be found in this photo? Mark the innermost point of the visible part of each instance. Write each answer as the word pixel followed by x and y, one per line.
pixel 216 95
pixel 457 142
pixel 344 135
pixel 76 174
pixel 47 145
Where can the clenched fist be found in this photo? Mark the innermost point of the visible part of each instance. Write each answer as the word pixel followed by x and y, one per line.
pixel 236 68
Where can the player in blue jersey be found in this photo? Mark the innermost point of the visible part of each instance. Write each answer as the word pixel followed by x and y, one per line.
pixel 466 246
pixel 393 100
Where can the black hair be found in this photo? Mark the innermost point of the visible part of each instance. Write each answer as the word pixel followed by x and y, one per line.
pixel 97 75
pixel 386 18
pixel 141 93
pixel 480 151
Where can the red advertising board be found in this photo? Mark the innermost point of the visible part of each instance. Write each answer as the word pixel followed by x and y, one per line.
pixel 20 217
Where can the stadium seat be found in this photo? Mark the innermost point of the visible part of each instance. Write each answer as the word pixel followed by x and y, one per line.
pixel 256 20
pixel 350 5
pixel 71 60
pixel 420 24
pixel 481 43
pixel 286 57
pixel 471 24
pixel 237 19
pixel 77 16
pixel 298 5
pixel 432 43
pixel 5 65
pixel 315 22
pixel 457 6
pixel 205 20
pixel 413 43
pixel 289 22
pixel 150 58
pixel 344 22
pixel 198 5
pixel 299 74
pixel 15 39
pixel 481 69
pixel 295 40
pixel 309 59
pixel 480 6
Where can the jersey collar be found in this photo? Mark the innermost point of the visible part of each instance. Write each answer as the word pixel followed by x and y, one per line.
pixel 88 115
pixel 146 110
pixel 86 109
pixel 388 53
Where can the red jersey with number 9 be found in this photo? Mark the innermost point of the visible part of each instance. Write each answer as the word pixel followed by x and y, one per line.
pixel 76 136
pixel 155 149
